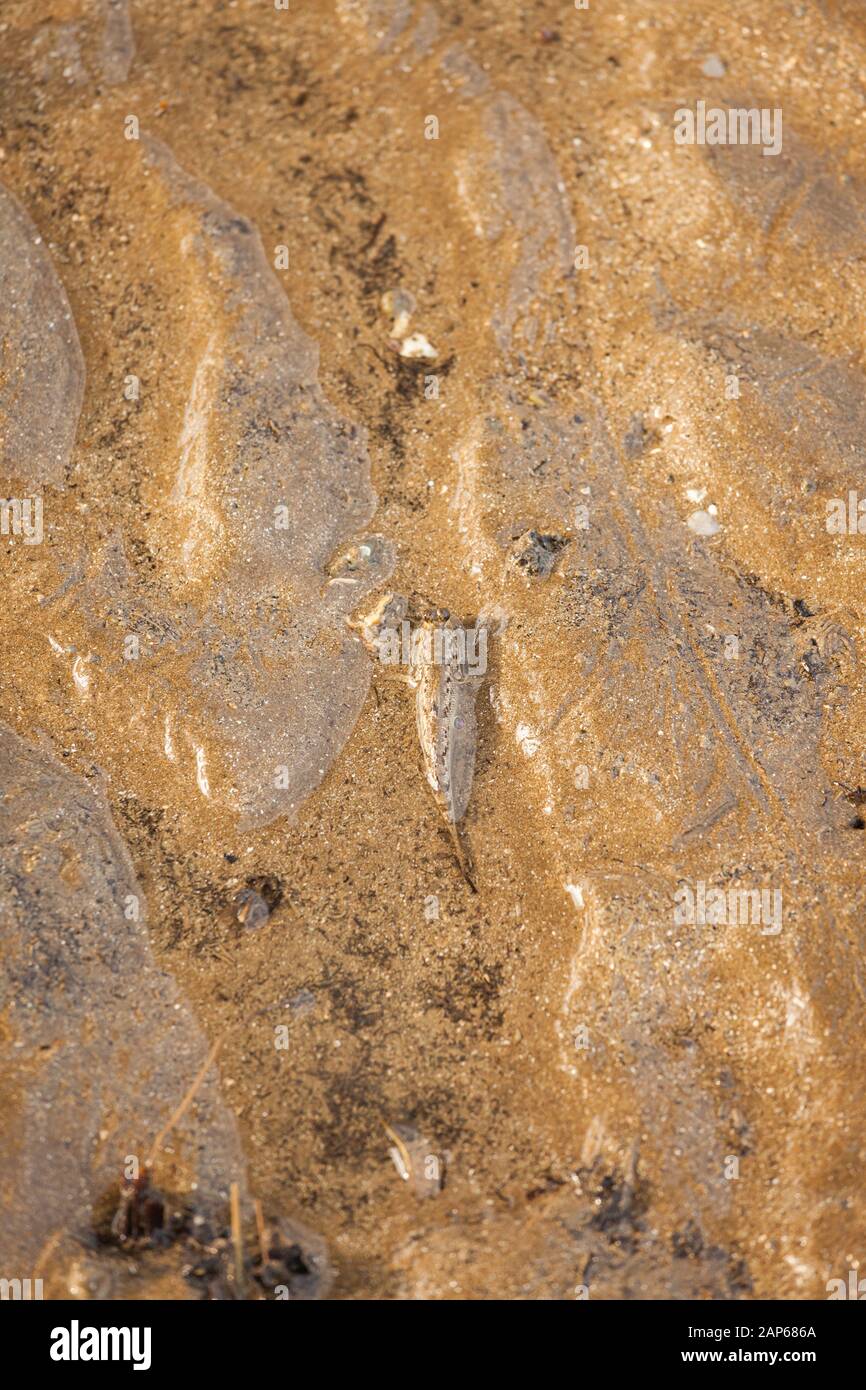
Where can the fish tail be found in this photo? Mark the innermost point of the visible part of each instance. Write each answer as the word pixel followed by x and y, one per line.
pixel 463 855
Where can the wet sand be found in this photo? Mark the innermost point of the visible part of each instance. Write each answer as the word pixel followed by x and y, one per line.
pixel 637 389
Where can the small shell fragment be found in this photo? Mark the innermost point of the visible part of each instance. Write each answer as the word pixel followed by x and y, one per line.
pixel 416 1160
pixel 703 524
pixel 400 305
pixel 386 614
pixel 365 562
pixel 251 909
pixel 416 345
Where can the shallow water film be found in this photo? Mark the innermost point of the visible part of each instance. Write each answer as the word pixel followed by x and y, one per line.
pixel 432 703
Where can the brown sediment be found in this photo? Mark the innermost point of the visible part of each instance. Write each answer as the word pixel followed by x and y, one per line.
pixel 627 1102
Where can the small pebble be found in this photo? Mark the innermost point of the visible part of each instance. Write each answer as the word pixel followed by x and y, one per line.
pixel 713 66
pixel 251 909
pixel 703 524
